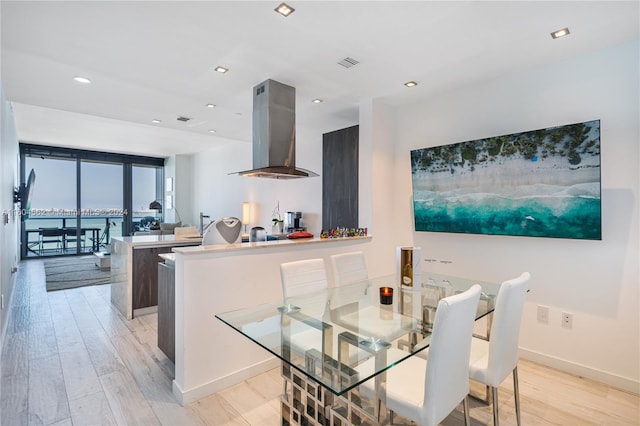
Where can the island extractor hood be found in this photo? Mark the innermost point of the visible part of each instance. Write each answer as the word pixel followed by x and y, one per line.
pixel 274 133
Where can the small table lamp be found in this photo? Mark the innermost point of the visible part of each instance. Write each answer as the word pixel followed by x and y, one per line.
pixel 154 205
pixel 245 217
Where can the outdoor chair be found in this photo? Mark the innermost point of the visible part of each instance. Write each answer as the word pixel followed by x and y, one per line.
pixel 71 236
pixel 51 236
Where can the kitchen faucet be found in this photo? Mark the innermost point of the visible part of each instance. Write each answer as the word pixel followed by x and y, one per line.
pixel 202 216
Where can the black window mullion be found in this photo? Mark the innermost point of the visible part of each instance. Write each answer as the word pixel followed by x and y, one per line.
pixel 78 203
pixel 127 194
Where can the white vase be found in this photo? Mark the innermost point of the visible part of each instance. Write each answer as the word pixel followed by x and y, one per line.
pixel 277 228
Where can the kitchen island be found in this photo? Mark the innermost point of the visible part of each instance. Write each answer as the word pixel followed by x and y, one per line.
pixel 209 356
pixel 134 270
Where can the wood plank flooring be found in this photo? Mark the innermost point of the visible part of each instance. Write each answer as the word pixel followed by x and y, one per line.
pixel 69 358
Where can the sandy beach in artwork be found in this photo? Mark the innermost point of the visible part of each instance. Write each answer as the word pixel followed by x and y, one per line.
pixel 509 174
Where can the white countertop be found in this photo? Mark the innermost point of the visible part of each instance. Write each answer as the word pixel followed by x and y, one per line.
pixel 157 240
pixel 221 248
pixel 168 257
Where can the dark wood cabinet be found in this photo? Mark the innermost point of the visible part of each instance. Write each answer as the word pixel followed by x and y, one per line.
pixel 145 276
pixel 340 178
pixel 167 310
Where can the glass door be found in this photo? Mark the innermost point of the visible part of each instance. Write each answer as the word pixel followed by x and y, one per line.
pixel 53 207
pixel 148 206
pixel 102 211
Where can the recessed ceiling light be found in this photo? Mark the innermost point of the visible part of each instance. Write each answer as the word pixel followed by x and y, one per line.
pixel 212 130
pixel 221 69
pixel 560 33
pixel 82 80
pixel 211 105
pixel 284 9
pixel 317 101
pixel 411 84
pixel 156 121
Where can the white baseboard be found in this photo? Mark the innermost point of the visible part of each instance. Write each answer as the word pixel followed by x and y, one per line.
pixel 623 383
pixel 194 394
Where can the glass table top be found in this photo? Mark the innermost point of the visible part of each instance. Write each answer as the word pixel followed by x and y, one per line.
pixel 327 335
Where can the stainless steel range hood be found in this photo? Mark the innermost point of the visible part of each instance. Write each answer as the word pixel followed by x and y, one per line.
pixel 274 133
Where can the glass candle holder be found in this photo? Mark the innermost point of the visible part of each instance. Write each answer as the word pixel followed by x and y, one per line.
pixel 386 295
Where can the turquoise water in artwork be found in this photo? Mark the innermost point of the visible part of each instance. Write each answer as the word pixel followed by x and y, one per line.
pixel 566 216
pixel 541 183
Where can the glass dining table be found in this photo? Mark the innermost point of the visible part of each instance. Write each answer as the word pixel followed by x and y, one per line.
pixel 324 338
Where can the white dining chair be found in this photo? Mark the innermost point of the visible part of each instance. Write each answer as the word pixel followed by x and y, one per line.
pixel 349 268
pixel 303 277
pixel 491 361
pixel 427 391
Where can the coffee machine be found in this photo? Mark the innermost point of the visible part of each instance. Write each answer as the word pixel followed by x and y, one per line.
pixel 294 222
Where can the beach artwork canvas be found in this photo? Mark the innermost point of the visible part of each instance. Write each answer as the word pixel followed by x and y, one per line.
pixel 541 183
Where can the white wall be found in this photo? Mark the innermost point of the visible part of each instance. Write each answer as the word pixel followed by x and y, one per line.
pixel 218 194
pixel 596 281
pixel 178 168
pixel 8 231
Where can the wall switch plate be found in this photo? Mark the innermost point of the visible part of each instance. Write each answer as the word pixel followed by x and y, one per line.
pixel 543 314
pixel 567 320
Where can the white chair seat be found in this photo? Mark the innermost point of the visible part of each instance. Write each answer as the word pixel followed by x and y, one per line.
pixel 304 339
pixel 479 359
pixel 402 385
pixel 367 322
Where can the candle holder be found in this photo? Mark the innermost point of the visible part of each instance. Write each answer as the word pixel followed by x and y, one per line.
pixel 386 295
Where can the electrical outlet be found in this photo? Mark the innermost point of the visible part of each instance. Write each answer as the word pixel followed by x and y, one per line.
pixel 543 314
pixel 567 320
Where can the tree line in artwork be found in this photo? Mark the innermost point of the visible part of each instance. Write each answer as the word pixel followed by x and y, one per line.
pixel 571 141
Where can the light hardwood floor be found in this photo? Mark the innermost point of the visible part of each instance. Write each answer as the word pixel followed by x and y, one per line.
pixel 69 358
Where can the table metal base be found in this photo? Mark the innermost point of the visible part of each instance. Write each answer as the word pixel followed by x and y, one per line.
pixel 305 402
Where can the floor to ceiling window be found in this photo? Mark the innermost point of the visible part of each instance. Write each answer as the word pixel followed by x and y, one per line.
pixel 82 198
pixel 102 202
pixel 144 184
pixel 53 205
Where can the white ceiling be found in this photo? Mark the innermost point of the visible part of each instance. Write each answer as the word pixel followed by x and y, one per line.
pixel 154 60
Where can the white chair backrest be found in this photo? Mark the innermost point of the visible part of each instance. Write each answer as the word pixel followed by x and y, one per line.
pixel 505 329
pixel 447 375
pixel 303 277
pixel 349 268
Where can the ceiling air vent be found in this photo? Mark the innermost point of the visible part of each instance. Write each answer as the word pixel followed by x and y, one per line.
pixel 184 119
pixel 348 62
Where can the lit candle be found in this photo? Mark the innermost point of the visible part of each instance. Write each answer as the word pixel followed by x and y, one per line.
pixel 386 295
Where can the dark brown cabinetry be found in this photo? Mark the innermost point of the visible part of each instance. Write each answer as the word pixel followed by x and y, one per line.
pixel 167 310
pixel 340 178
pixel 145 276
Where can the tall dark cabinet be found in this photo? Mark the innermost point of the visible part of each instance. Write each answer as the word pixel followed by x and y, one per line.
pixel 167 310
pixel 340 178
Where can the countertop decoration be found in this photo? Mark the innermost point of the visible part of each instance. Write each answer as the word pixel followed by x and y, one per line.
pixel 276 219
pixel 342 232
